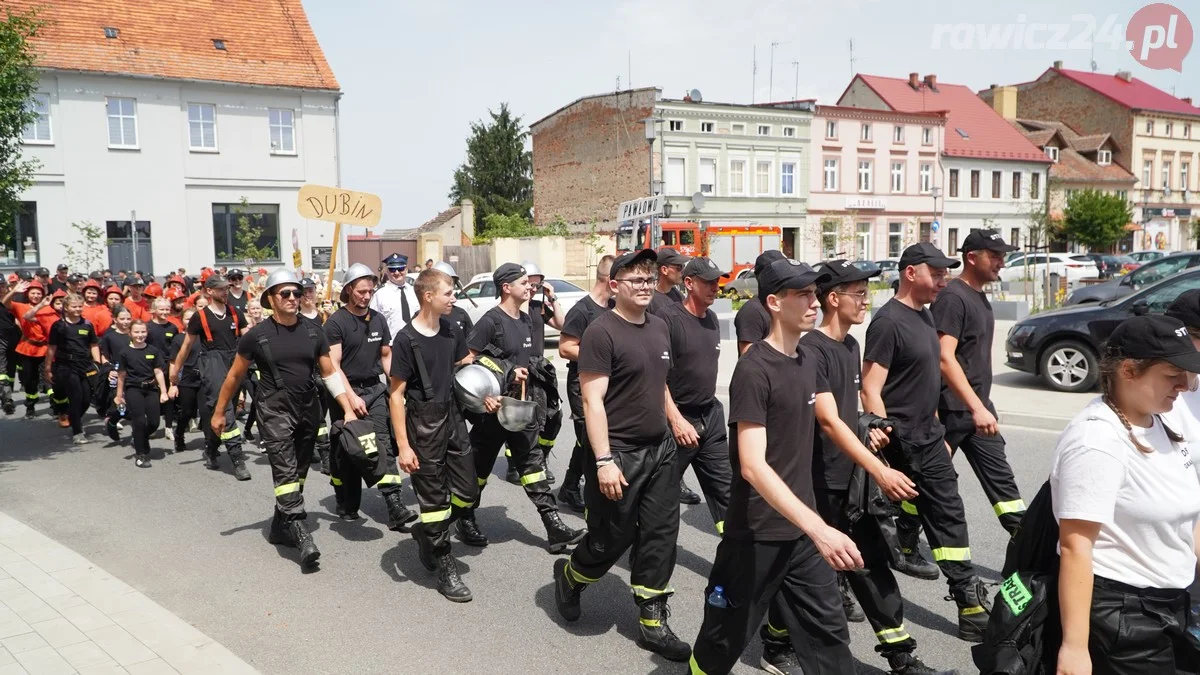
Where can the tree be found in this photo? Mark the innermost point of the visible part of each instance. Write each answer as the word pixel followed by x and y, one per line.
pixel 497 175
pixel 18 83
pixel 248 234
pixel 1095 219
pixel 88 248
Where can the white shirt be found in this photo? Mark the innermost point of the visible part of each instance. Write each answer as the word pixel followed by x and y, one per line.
pixel 1184 418
pixel 387 302
pixel 1147 504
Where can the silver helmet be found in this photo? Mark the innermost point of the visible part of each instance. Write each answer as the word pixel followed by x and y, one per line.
pixel 277 278
pixel 474 383
pixel 446 267
pixel 357 271
pixel 532 270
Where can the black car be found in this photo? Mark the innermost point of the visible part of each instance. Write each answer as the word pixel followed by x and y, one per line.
pixel 1063 345
pixel 1147 274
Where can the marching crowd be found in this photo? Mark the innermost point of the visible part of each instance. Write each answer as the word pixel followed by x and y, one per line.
pixel 831 460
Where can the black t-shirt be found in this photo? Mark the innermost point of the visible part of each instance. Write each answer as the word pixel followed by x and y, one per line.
pixel 294 351
pixel 238 303
pixel 192 363
pixel 752 322
pixel 636 359
pixel 362 339
pixel 904 341
pixel 161 335
pixel 513 337
pixel 579 317
pixel 56 285
pixel 439 353
pixel 777 391
pixel 111 344
pixel 8 322
pixel 964 313
pixel 537 322
pixel 139 364
pixel 73 341
pixel 460 318
pixel 696 347
pixel 224 335
pixel 660 302
pixel 838 364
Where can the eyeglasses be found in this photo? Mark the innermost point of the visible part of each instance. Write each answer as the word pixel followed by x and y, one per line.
pixel 640 282
pixel 289 293
pixel 858 295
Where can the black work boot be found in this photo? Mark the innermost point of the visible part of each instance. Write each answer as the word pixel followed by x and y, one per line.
pixel 425 549
pixel 854 613
pixel 566 591
pixel 450 584
pixel 686 496
pixel 559 535
pixel 240 471
pixel 180 443
pixel 974 608
pixel 323 454
pixel 571 493
pixel 904 663
pixel 304 541
pixel 279 533
pixel 110 428
pixel 400 516
pixel 210 459
pixel 778 658
pixel 467 530
pixel 656 635
pixel 512 475
pixel 908 560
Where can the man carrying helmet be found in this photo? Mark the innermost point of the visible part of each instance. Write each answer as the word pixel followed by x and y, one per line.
pixel 395 300
pixel 289 353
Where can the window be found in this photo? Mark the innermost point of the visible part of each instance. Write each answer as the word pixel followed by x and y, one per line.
pixel 1014 235
pixel 19 243
pixel 953 182
pixel 1147 170
pixel 1016 185
pixel 975 183
pixel 1187 130
pixel 122 123
pixel 283 131
pixel 897 134
pixel 1069 193
pixel 202 126
pixel 233 227
pixel 864 175
pixel 1035 189
pixel 926 178
pixel 737 176
pixel 1123 194
pixel 897 176
pixel 1149 127
pixel 1104 157
pixel 762 178
pixel 787 178
pixel 829 239
pixel 831 129
pixel 1168 127
pixel 863 235
pixel 895 239
pixel 1051 152
pixel 1183 175
pixel 830 183
pixel 120 230
pixel 482 289
pixel 708 176
pixel 865 132
pixel 707 127
pixel 38 131
pixel 789 132
pixel 676 183
pixel 926 135
pixel 764 130
pixel 996 177
pixel 739 129
pixel 675 125
pixel 1166 176
pixel 952 240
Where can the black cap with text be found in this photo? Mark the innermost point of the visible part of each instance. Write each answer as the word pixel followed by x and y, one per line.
pixel 843 272
pixel 1156 337
pixel 784 274
pixel 928 254
pixel 991 240
pixel 506 274
pixel 766 258
pixel 704 268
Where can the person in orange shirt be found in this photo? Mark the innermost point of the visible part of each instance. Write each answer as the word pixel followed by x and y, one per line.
pixel 95 312
pixel 176 297
pixel 35 318
pixel 137 302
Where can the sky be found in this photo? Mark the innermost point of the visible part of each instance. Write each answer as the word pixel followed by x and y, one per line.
pixel 416 74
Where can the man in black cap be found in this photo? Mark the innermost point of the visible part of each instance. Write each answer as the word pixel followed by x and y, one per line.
pixel 670 275
pixel 752 321
pixel 59 282
pixel 901 380
pixel 237 296
pixel 395 299
pixel 632 491
pixel 1186 308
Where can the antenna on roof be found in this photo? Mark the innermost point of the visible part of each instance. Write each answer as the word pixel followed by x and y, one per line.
pixel 796 68
pixel 1094 67
pixel 852 59
pixel 753 72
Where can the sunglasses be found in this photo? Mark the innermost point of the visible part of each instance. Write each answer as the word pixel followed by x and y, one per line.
pixel 290 293
pixel 396 270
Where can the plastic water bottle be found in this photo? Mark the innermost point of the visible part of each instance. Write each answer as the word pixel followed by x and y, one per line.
pixel 121 409
pixel 1194 621
pixel 717 598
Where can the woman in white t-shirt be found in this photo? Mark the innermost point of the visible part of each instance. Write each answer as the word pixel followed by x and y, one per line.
pixel 1127 497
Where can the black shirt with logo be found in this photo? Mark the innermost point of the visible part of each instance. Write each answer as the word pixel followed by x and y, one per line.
pixel 696 347
pixel 838 364
pixel 238 303
pixel 778 392
pixel 438 352
pixel 224 335
pixel 965 314
pixel 512 337
pixel 362 339
pixel 904 341
pixel 636 359
pixel 139 364
pixel 73 342
pixel 752 322
pixel 111 344
pixel 294 349
pixel 161 335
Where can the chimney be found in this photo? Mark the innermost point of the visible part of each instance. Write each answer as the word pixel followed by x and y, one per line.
pixel 1058 65
pixel 1187 100
pixel 931 82
pixel 1004 101
pixel 468 218
pixel 914 80
pixel 1125 75
pixel 993 86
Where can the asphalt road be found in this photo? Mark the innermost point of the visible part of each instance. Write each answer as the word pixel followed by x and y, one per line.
pixel 194 541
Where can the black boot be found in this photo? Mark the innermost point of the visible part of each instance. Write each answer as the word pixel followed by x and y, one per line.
pixel 450 584
pixel 323 454
pixel 566 591
pixel 512 475
pixel 425 549
pixel 400 516
pixel 974 607
pixel 656 635
pixel 908 560
pixel 304 541
pixel 279 533
pixel 854 613
pixel 110 428
pixel 904 663
pixel 686 496
pixel 778 658
pixel 180 445
pixel 6 400
pixel 467 530
pixel 240 471
pixel 210 460
pixel 559 535
pixel 571 493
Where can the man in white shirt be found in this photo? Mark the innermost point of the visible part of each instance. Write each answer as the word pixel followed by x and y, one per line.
pixel 395 299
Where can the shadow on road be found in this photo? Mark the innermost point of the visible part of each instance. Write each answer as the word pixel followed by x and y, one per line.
pixel 24 440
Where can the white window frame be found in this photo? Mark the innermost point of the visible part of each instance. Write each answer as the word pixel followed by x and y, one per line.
pixel 782 174
pixel 1104 157
pixel 712 127
pixel 671 124
pixel 683 181
pixel 768 173
pixel 926 175
pixel 1168 128
pixel 829 173
pixel 1187 130
pixel 831 128
pixel 761 127
pixel 863 239
pixel 1148 174
pixel 926 135
pixel 1184 170
pixel 738 128
pixel 39 101
pixel 1051 152
pixel 898 133
pixel 121 117
pixel 736 177
pixel 865 133
pixel 700 176
pixel 281 126
pixel 1149 127
pixel 897 174
pixel 898 235
pixel 200 110
pixel 1166 175
pixel 866 181
pixel 789 132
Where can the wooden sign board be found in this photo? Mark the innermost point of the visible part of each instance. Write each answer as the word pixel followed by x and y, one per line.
pixel 338 205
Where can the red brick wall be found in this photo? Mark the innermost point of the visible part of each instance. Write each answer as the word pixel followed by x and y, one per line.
pixel 590 157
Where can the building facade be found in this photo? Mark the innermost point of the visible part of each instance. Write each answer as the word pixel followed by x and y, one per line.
pixel 164 135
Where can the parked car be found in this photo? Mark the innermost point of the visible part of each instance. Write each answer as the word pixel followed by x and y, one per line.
pixel 1145 275
pixel 1065 265
pixel 1121 264
pixel 743 285
pixel 479 296
pixel 891 273
pixel 1098 260
pixel 1062 346
pixel 1146 256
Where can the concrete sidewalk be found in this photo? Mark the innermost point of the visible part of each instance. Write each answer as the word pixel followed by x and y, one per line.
pixel 61 614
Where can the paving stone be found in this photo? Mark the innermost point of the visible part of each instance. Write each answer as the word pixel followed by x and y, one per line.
pixel 107 669
pixel 86 618
pixel 59 632
pixel 13 669
pixel 6 657
pixel 120 645
pixel 45 661
pixel 154 667
pixel 86 654
pixel 24 643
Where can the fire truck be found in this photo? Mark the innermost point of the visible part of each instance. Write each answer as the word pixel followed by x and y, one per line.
pixel 732 246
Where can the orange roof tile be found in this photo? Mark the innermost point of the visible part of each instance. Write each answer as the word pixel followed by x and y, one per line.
pixel 267 42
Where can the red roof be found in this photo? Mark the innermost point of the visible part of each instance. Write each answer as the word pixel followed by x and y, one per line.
pixel 1134 94
pixel 988 135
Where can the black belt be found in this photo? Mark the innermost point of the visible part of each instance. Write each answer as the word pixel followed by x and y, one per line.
pixel 364 384
pixel 148 384
pixel 1159 593
pixel 36 343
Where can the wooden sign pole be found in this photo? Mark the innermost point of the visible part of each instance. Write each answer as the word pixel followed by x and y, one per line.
pixel 337 237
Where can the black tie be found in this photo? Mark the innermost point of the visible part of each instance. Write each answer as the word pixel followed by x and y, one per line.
pixel 404 306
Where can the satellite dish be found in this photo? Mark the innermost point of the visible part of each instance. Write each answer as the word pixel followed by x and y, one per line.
pixel 695 94
pixel 698 201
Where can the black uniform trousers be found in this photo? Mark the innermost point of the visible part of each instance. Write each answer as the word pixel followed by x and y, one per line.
pixel 288 423
pixel 74 383
pixel 789 574
pixel 646 519
pixel 143 410
pixel 187 405
pixel 31 377
pixel 214 366
pixel 8 362
pixel 349 472
pixel 1140 631
pixel 709 458
pixel 990 464
pixel 938 505
pixel 581 452
pixel 445 480
pixel 488 436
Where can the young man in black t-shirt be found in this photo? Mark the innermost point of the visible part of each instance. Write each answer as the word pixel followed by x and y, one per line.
pixel 752 321
pixel 670 276
pixel 431 431
pixel 71 361
pixel 632 492
pixel 776 549
pixel 901 380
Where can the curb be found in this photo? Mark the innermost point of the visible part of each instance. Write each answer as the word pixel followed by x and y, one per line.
pixel 1042 422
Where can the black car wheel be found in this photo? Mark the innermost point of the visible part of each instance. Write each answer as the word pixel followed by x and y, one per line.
pixel 1069 366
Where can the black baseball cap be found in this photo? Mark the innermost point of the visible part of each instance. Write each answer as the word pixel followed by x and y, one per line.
pixel 631 258
pixel 43 272
pixel 766 258
pixel 135 281
pixel 216 281
pixel 928 254
pixel 991 240
pixel 506 274
pixel 62 266
pixel 305 283
pixel 704 268
pixel 787 273
pixel 842 271
pixel 235 273
pixel 1186 308
pixel 669 256
pixel 1155 336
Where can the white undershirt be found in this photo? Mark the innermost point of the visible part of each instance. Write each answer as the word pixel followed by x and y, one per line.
pixel 1147 504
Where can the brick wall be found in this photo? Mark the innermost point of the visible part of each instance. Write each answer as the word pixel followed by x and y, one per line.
pixel 591 156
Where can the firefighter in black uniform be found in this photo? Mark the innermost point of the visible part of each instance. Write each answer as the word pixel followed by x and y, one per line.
pixel 431 431
pixel 360 346
pixel 506 333
pixel 185 394
pixel 290 353
pixel 10 335
pixel 216 328
pixel 457 315
pixel 632 490
pixel 71 363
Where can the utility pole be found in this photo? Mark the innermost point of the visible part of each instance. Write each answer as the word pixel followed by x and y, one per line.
pixel 753 72
pixel 771 85
pixel 796 68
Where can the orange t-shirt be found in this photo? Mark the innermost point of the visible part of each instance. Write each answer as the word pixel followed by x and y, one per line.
pixel 178 322
pixel 37 330
pixel 139 311
pixel 99 316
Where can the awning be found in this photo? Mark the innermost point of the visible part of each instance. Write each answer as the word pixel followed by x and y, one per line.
pixel 1133 227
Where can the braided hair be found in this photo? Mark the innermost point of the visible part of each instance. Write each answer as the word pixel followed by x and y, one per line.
pixel 1110 367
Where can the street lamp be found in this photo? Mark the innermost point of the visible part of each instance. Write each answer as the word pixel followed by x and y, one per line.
pixel 651 133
